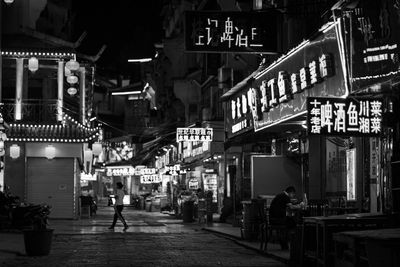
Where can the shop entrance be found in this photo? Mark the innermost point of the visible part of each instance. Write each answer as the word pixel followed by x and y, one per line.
pixel 52 182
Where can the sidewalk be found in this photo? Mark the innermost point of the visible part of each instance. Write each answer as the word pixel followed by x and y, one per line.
pixel 227 230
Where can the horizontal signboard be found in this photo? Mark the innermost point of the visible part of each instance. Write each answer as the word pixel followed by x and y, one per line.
pixel 150 179
pixel 245 32
pixel 312 69
pixel 339 116
pixel 194 134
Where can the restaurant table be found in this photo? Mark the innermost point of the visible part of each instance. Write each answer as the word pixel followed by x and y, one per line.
pixel 317 233
pixel 379 247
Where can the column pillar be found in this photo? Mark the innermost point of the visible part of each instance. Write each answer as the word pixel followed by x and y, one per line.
pixel 82 94
pixel 60 90
pixel 18 89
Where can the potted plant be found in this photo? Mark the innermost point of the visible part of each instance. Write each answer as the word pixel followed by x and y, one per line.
pixel 37 236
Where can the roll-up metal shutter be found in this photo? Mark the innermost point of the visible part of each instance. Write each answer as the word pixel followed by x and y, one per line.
pixel 52 182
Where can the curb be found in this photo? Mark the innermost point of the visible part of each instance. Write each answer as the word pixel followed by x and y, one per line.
pixel 238 241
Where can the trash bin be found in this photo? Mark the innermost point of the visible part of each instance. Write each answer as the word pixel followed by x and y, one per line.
pixel 148 204
pixel 188 211
pixel 250 220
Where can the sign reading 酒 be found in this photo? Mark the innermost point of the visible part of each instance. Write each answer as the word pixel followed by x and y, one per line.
pixel 194 134
pixel 338 116
pixel 245 32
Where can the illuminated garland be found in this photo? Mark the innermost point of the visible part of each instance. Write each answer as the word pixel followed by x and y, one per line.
pixel 43 54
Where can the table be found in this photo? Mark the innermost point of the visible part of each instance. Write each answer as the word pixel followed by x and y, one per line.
pixel 324 226
pixel 378 247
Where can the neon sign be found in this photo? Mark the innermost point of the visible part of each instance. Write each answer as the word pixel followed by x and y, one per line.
pixel 245 32
pixel 338 116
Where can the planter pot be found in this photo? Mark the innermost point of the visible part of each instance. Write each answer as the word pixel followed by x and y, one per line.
pixel 38 242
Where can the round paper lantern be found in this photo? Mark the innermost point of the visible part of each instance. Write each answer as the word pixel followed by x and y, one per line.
pixel 72 91
pixel 33 64
pixel 72 65
pixel 72 79
pixel 15 151
pixel 8 2
pixel 3 136
pixel 50 152
pixel 97 148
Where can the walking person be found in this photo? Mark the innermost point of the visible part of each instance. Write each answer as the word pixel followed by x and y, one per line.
pixel 118 207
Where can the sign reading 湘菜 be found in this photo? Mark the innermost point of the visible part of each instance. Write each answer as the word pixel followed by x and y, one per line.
pixel 194 134
pixel 338 116
pixel 245 32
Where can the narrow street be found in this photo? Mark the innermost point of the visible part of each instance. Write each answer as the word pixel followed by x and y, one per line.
pixel 153 239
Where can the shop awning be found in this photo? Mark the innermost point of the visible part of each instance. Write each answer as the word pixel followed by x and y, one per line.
pixel 241 84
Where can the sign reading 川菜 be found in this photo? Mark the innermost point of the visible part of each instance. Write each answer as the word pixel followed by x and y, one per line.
pixel 338 116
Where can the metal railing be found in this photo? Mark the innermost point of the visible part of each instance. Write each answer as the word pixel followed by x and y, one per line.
pixel 35 110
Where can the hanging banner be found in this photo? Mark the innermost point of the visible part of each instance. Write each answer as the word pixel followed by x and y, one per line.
pixel 238 32
pixel 350 117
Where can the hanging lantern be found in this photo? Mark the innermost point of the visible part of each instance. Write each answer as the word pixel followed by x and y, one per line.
pixel 97 148
pixel 72 65
pixel 72 79
pixel 50 152
pixel 8 2
pixel 1 145
pixel 72 91
pixel 33 64
pixel 67 72
pixel 3 136
pixel 15 151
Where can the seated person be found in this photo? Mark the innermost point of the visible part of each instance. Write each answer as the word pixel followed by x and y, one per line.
pixel 277 211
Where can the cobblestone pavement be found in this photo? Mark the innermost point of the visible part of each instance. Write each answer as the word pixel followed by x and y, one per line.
pixel 153 239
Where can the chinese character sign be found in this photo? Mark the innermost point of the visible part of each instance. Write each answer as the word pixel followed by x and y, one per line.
pixel 194 134
pixel 249 32
pixel 338 116
pixel 150 178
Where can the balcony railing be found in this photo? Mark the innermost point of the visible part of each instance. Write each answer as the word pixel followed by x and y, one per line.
pixel 34 111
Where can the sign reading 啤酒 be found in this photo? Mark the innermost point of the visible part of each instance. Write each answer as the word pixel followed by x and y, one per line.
pixel 338 116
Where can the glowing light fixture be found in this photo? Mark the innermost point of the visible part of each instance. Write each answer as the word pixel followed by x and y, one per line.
pixel 50 152
pixel 72 65
pixel 140 60
pixel 8 2
pixel 127 93
pixel 33 64
pixel 72 91
pixel 15 151
pixel 72 79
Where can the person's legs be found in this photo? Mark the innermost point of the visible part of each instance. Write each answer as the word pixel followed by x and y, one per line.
pixel 119 210
pixel 114 220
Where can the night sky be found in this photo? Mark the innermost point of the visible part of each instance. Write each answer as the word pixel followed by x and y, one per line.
pixel 128 28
